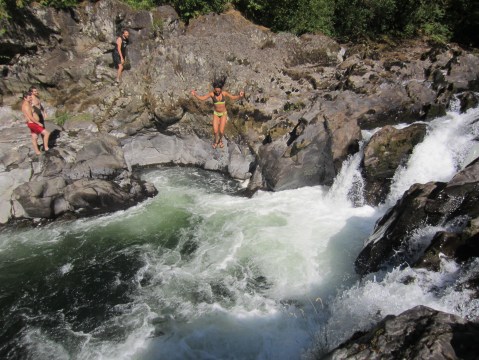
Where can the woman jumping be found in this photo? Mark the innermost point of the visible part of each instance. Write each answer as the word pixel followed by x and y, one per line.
pixel 219 106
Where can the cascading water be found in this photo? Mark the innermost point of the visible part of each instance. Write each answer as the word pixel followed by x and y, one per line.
pixel 443 152
pixel 200 273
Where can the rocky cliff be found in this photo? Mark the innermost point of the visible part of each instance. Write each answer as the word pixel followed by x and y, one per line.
pixel 307 98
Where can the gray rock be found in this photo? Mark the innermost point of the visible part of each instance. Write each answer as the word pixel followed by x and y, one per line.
pixel 465 180
pixel 93 196
pixel 8 182
pixel 416 334
pixel 386 150
pixel 99 159
pixel 468 99
pixel 161 149
pixel 37 197
pixel 239 164
pixel 432 204
pixel 90 195
pixel 34 186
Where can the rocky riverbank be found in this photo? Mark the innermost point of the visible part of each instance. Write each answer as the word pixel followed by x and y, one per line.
pixel 307 101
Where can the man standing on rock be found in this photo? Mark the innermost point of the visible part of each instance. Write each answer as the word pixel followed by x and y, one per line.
pixel 37 106
pixel 119 53
pixel 219 106
pixel 34 124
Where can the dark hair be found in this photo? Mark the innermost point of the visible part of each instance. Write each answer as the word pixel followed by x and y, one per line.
pixel 33 87
pixel 26 94
pixel 219 82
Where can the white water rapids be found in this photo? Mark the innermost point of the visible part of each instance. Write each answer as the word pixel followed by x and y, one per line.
pixel 198 273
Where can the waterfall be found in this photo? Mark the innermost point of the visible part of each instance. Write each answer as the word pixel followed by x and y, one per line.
pixel 446 149
pixel 349 183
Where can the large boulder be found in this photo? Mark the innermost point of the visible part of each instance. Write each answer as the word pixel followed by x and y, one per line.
pixel 450 205
pixel 92 196
pixel 385 152
pixel 50 198
pixel 460 246
pixel 37 198
pixel 416 334
pixel 101 158
pixel 312 152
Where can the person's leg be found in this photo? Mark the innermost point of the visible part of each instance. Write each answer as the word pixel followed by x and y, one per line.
pixel 41 120
pixel 216 125
pixel 120 70
pixel 35 144
pixel 222 129
pixel 46 136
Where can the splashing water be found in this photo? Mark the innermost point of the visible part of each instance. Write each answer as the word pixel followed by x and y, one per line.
pixel 442 153
pixel 194 273
pixel 349 183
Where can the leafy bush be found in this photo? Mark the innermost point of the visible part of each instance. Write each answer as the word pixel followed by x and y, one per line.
pixel 141 4
pixel 59 4
pixel 297 16
pixel 188 9
pixel 441 20
pixel 463 16
pixel 61 118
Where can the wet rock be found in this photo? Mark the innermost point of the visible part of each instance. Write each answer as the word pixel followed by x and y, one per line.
pixel 9 181
pixel 314 155
pixel 418 333
pixel 37 197
pixel 239 164
pixel 465 180
pixel 468 100
pixel 388 243
pixel 387 149
pixel 460 247
pixel 93 196
pixel 434 204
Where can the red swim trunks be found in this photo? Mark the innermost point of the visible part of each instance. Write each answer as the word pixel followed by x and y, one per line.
pixel 35 128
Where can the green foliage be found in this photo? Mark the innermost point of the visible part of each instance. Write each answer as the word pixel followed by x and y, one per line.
pixel 141 4
pixel 158 26
pixel 3 10
pixel 441 20
pixel 61 118
pixel 189 9
pixel 463 15
pixel 297 16
pixel 59 4
pixel 355 19
pixel 429 20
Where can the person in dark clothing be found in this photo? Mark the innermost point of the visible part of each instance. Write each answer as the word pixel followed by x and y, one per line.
pixel 37 107
pixel 119 53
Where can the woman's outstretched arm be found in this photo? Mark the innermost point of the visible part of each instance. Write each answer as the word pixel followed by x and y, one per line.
pixel 234 97
pixel 201 97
